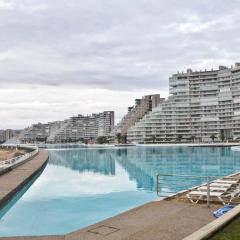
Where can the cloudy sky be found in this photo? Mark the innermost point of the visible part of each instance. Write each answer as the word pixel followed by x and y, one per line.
pixel 59 58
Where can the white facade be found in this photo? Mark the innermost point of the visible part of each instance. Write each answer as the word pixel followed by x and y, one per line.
pixel 135 113
pixel 202 106
pixel 83 127
pixel 71 130
pixel 34 133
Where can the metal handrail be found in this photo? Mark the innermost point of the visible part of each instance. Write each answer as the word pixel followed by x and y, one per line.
pixel 207 181
pixel 17 160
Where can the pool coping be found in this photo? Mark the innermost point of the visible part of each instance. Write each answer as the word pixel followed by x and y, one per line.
pixel 28 168
pixel 214 226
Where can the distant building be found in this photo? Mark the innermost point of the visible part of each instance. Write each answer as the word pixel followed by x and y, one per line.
pixel 54 128
pixel 86 127
pixel 35 133
pixel 8 134
pixel 203 106
pixel 73 129
pixel 2 136
pixel 105 123
pixel 135 113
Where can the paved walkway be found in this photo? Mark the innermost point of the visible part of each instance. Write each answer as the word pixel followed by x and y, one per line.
pixel 15 179
pixel 166 220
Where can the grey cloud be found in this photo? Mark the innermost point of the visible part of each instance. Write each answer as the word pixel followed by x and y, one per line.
pixel 114 44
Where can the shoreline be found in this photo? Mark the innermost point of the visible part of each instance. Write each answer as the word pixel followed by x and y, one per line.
pixel 87 146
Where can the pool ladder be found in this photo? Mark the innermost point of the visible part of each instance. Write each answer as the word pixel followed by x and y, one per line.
pixel 168 185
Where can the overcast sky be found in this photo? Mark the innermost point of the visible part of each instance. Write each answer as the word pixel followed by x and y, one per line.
pixel 59 58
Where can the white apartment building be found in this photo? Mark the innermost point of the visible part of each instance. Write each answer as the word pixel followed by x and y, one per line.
pixel 105 123
pixel 36 132
pixel 135 113
pixel 202 106
pixel 71 130
pixel 54 128
pixel 8 135
pixel 83 127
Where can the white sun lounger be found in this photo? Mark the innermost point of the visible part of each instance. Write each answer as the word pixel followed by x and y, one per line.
pixel 220 189
pixel 196 196
pixel 231 196
pixel 226 181
pixel 224 185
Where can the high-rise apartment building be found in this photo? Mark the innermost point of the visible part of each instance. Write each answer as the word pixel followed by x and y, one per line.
pixel 105 123
pixel 202 106
pixel 54 128
pixel 71 130
pixel 135 113
pixel 34 133
pixel 8 134
pixel 2 136
pixel 84 127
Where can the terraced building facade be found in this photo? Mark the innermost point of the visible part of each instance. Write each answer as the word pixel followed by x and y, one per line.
pixel 135 113
pixel 203 106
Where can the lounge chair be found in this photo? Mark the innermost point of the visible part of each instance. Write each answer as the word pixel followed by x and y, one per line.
pixel 226 181
pixel 218 189
pixel 223 185
pixel 196 196
pixel 231 196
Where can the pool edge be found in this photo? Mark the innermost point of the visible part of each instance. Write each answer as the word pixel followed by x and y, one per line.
pixel 29 169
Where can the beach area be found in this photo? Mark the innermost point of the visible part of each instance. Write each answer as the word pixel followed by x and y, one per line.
pixel 8 153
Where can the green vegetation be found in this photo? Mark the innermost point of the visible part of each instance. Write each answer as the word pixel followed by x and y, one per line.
pixel 222 136
pixel 230 232
pixel 213 137
pixel 119 136
pixel 102 140
pixel 124 138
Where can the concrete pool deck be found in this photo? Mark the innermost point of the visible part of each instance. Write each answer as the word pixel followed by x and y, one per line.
pixel 12 181
pixel 153 221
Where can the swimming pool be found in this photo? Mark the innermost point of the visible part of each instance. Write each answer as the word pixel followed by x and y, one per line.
pixel 82 186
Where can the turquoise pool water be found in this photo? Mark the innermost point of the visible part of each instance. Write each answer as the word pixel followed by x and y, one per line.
pixel 82 186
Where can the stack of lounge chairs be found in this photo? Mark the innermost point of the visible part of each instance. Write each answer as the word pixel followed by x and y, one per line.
pixel 223 190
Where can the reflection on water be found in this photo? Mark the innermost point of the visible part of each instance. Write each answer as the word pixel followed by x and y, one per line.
pixel 143 163
pixel 61 146
pixel 97 161
pixel 82 186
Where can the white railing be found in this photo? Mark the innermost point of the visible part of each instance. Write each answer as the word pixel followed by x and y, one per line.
pixel 11 163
